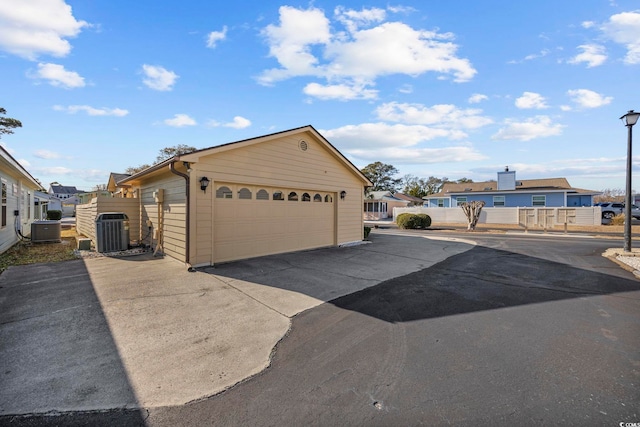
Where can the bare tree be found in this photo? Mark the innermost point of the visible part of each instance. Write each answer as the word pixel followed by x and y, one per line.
pixel 472 212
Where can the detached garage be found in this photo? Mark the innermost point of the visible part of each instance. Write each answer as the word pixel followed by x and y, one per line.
pixel 277 193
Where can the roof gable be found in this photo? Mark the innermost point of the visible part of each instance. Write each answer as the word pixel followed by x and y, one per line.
pixel 195 155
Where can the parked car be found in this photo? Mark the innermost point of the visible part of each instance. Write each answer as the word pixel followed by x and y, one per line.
pixel 611 209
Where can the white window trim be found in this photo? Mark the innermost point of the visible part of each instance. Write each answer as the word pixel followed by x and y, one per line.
pixel 544 203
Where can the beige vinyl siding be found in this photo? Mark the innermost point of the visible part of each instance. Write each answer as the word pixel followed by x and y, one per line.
pixel 172 213
pixel 278 163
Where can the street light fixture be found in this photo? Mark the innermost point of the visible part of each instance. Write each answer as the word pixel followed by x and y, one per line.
pixel 630 119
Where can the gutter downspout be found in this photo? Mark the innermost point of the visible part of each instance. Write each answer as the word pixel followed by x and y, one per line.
pixel 188 216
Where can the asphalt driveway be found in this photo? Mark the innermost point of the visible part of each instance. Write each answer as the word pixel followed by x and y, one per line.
pixel 139 331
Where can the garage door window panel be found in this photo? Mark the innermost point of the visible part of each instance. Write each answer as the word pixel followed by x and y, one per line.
pixel 224 192
pixel 317 198
pixel 293 197
pixel 328 199
pixel 306 197
pixel 278 195
pixel 262 194
pixel 244 194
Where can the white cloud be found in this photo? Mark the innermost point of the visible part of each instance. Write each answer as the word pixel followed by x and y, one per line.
pixel 57 76
pixel 304 45
pixel 73 109
pixel 476 98
pixel 46 154
pixel 443 116
pixel 180 120
pixel 531 100
pixel 586 98
pixel 406 89
pixel 536 127
pixel 624 28
pixel 215 36
pixel 341 92
pixel 353 19
pixel 592 54
pixel 531 57
pixel 420 155
pixel 398 143
pixel 31 28
pixel 158 78
pixel 238 122
pixel 54 170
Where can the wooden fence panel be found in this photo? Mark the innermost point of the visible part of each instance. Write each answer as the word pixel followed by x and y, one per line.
pixel 86 215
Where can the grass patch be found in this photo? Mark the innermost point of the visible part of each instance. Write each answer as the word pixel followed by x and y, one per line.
pixel 25 252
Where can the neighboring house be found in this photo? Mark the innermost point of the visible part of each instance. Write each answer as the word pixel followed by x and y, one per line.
pixel 282 192
pixel 112 185
pixel 63 192
pixel 509 192
pixel 69 196
pixel 413 201
pixel 45 202
pixel 17 201
pixel 380 204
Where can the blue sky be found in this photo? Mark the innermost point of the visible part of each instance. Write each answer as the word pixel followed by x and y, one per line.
pixel 435 88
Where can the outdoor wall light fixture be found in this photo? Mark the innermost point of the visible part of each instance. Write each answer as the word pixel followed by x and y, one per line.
pixel 343 194
pixel 204 183
pixel 630 119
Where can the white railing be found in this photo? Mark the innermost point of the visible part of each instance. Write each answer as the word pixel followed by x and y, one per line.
pixel 526 217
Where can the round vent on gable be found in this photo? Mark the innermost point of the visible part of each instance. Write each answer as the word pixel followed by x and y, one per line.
pixel 303 145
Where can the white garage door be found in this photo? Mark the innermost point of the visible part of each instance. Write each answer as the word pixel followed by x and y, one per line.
pixel 252 221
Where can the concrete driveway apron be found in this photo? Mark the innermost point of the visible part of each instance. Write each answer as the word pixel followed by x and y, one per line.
pixel 105 332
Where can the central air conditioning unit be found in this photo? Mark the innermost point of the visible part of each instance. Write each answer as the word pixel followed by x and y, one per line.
pixel 112 232
pixel 45 231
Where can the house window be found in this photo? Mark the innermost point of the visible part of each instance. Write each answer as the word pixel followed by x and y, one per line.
pixel 440 203
pixel 262 195
pixel 306 197
pixel 293 197
pixel 498 201
pixel 244 194
pixel 28 205
pixel 328 199
pixel 539 201
pixel 278 195
pixel 224 193
pixel 317 198
pixel 4 205
pixel 460 200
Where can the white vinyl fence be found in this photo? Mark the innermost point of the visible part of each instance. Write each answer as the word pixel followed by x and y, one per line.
pixel 525 217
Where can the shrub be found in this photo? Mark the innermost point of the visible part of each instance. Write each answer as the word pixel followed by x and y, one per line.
pixel 402 218
pixel 367 230
pixel 413 221
pixel 425 220
pixel 54 215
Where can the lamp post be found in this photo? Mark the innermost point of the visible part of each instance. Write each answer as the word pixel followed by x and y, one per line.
pixel 630 119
